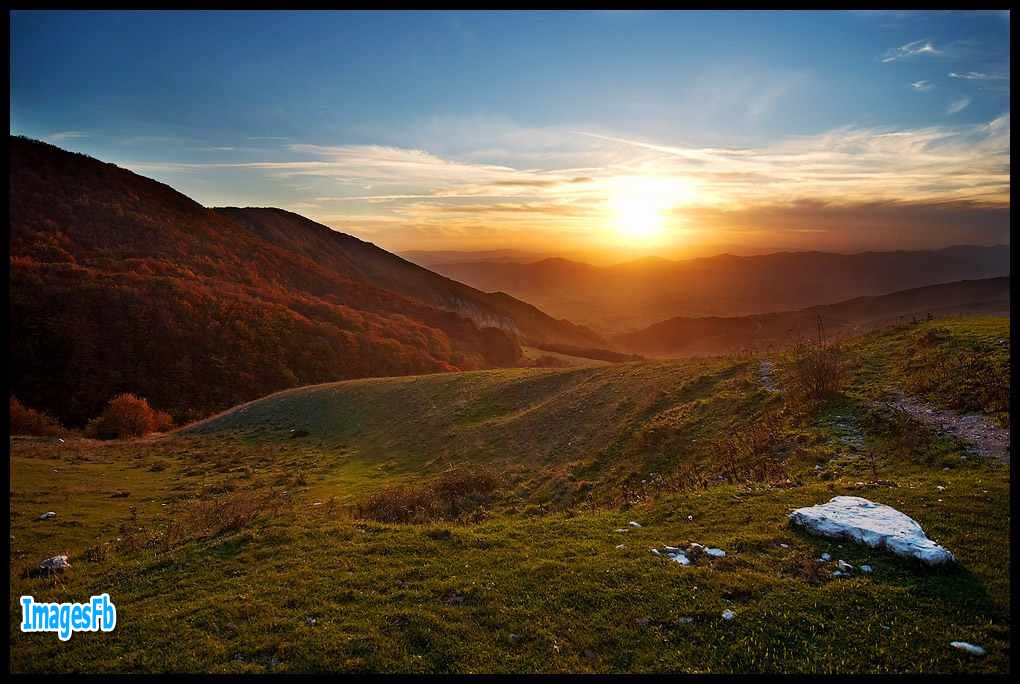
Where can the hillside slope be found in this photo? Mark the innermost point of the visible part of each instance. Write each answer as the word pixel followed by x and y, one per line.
pixel 633 295
pixel 717 335
pixel 262 538
pixel 119 283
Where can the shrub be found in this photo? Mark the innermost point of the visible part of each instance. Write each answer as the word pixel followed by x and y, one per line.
pixel 812 374
pixel 28 421
pixel 128 416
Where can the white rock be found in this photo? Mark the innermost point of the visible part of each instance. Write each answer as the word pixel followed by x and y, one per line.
pixel 825 557
pixel 695 546
pixel 634 524
pixel 47 515
pixel 839 573
pixel 679 557
pixel 873 524
pixel 622 529
pixel 715 553
pixel 969 648
pixel 728 614
pixel 844 566
pixel 785 546
pixel 655 551
pixel 620 546
pixel 865 569
pixel 55 563
pixel 690 517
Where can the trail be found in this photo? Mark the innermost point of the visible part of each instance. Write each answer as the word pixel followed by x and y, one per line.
pixel 765 370
pixel 984 437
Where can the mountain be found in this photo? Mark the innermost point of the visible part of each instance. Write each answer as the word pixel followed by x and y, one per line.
pixel 716 335
pixel 632 295
pixel 119 283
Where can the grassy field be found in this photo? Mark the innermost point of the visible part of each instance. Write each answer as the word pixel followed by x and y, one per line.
pixel 236 545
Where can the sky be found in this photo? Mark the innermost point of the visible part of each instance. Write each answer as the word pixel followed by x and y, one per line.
pixel 676 133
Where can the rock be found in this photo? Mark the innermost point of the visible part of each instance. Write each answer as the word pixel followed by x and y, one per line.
pixel 695 546
pixel 634 524
pixel 55 563
pixel 656 552
pixel 840 573
pixel 620 546
pixel 310 620
pixel 825 557
pixel 873 524
pixel 844 566
pixel 969 648
pixel 865 569
pixel 679 557
pixel 728 614
pixel 784 546
pixel 716 553
pixel 47 515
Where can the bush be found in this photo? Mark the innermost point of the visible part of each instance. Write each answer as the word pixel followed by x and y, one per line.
pixel 28 421
pixel 813 374
pixel 128 416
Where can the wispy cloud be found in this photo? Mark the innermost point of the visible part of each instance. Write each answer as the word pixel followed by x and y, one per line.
pixel 407 196
pixel 63 136
pixel 958 105
pixel 918 47
pixel 922 86
pixel 978 76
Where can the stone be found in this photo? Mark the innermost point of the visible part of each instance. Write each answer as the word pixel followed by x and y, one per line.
pixel 715 553
pixel 969 648
pixel 872 524
pixel 728 614
pixel 55 563
pixel 865 569
pixel 634 524
pixel 47 515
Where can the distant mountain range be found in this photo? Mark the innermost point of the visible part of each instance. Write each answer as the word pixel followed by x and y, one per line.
pixel 630 296
pixel 121 284
pixel 763 332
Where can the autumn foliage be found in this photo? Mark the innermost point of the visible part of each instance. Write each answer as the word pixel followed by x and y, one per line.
pixel 128 416
pixel 121 284
pixel 28 421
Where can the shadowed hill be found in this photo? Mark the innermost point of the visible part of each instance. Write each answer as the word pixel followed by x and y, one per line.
pixel 121 284
pixel 636 294
pixel 717 335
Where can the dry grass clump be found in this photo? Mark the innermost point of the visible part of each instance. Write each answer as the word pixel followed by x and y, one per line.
pixel 459 495
pixel 813 373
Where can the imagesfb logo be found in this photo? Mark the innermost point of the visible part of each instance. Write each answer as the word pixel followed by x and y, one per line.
pixel 67 618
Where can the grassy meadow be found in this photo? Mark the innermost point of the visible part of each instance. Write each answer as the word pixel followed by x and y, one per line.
pixel 256 541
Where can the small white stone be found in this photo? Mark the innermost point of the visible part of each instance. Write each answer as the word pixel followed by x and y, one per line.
pixel 620 546
pixel 785 546
pixel 634 524
pixel 969 648
pixel 690 517
pixel 865 569
pixel 844 566
pixel 715 553
pixel 55 563
pixel 655 551
pixel 47 515
pixel 728 614
pixel 940 488
pixel 826 557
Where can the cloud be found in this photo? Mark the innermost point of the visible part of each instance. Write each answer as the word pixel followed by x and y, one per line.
pixel 918 47
pixel 978 76
pixel 922 86
pixel 958 105
pixel 63 136
pixel 405 197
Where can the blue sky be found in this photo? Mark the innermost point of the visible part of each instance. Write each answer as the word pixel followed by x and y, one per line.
pixel 420 130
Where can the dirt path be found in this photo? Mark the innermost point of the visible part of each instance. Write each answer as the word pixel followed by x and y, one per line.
pixel 984 437
pixel 765 370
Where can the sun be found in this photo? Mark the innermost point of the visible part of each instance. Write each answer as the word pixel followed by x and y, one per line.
pixel 639 206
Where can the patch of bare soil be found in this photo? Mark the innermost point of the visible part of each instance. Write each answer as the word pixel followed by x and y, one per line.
pixel 985 438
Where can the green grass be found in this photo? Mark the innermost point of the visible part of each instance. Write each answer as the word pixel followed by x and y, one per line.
pixel 538 585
